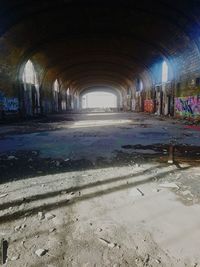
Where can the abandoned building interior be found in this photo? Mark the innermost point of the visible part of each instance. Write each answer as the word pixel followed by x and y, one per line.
pixel 100 133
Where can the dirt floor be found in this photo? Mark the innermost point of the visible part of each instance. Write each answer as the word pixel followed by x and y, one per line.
pixel 100 190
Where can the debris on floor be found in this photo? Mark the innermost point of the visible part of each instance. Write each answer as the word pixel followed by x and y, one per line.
pixel 41 252
pixel 169 185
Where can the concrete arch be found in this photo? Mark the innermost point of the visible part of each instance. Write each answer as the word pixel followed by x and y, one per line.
pixel 105 89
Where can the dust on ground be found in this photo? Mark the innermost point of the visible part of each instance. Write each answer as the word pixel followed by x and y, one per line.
pixel 97 190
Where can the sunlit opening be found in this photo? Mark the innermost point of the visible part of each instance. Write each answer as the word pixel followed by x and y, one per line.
pixel 56 86
pixel 164 72
pixel 56 89
pixel 139 85
pixel 29 74
pixel 99 100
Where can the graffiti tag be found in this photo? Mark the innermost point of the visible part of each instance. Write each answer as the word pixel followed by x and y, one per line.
pixel 149 106
pixel 11 104
pixel 188 106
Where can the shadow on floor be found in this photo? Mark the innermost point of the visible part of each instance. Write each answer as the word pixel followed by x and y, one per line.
pixel 51 206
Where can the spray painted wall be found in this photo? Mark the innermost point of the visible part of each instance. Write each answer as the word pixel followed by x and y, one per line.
pixel 188 107
pixel 8 104
pixel 149 106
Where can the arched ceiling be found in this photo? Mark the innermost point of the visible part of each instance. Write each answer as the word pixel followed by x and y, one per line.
pixel 93 42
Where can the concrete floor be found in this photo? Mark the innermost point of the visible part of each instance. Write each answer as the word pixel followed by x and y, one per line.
pixel 107 192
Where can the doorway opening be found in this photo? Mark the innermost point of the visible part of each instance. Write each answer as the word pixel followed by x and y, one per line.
pixel 100 99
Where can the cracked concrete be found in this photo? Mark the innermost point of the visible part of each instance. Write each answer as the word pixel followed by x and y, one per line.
pixel 100 176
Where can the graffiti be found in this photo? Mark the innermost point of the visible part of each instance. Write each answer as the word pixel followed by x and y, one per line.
pixel 188 106
pixel 1 101
pixel 149 106
pixel 11 104
pixel 8 104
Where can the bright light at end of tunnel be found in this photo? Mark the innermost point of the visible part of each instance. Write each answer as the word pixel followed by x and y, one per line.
pixel 99 100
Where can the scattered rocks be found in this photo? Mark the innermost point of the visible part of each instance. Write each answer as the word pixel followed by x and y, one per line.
pixel 112 245
pixel 147 259
pixel 186 193
pixel 23 226
pixel 49 216
pixel 52 230
pixel 169 185
pixel 140 191
pixel 12 158
pixel 41 252
pixel 20 227
pixel 137 260
pixel 63 192
pixel 70 195
pixel 15 258
pixel 23 242
pixel 41 216
pixel 17 228
pixel 108 243
pixel 158 261
pixel 3 195
pixel 57 164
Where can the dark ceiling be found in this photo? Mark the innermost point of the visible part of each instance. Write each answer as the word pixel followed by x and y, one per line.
pixel 100 42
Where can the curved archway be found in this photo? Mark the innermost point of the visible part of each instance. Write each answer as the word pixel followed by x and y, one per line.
pixel 31 92
pixel 100 98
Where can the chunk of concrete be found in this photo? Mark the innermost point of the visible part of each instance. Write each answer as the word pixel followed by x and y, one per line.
pixel 41 215
pixel 49 216
pixel 12 158
pixel 41 252
pixel 17 228
pixel 169 185
pixel 108 243
pixel 3 195
pixel 15 258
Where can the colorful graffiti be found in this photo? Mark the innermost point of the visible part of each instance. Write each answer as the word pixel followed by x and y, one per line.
pixel 188 107
pixel 149 106
pixel 8 103
pixel 11 104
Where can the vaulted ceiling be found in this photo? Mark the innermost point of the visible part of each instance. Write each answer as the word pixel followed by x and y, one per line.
pixel 99 42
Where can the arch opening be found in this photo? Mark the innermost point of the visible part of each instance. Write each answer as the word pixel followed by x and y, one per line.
pixel 31 91
pixel 56 95
pixel 165 72
pixel 100 99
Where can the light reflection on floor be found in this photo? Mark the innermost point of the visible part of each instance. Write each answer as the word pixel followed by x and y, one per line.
pixel 99 123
